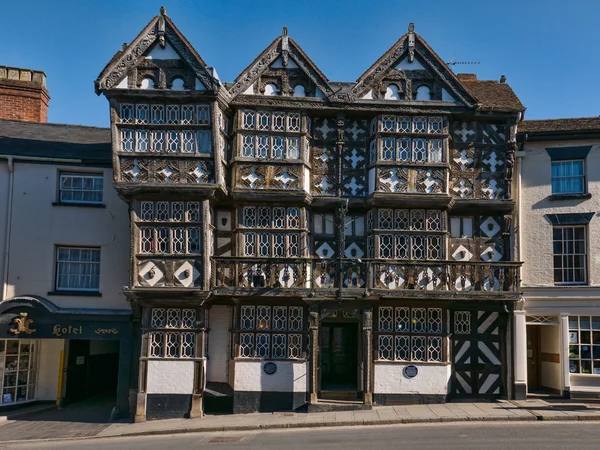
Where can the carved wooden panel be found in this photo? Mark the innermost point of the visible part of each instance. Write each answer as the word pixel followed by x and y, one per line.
pixel 478 161
pixel 324 171
pixel 169 273
pixel 165 171
pixel 484 243
pixel 261 176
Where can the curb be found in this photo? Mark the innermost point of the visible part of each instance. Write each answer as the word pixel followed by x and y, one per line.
pixel 533 417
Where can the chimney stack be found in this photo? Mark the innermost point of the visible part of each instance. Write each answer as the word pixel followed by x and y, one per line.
pixel 23 95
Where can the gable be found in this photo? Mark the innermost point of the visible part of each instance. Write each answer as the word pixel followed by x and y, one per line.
pixel 410 71
pixel 282 69
pixel 159 57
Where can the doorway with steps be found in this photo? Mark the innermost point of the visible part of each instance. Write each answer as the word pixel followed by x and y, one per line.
pixel 339 361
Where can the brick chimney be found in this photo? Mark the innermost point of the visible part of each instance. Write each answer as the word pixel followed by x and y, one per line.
pixel 467 76
pixel 23 95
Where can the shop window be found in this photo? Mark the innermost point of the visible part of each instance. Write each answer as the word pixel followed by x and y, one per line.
pixel 584 344
pixel 410 334
pixel 270 332
pixel 77 269
pixel 81 187
pixel 173 333
pixel 18 370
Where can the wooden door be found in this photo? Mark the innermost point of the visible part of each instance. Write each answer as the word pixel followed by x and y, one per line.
pixel 533 362
pixel 339 353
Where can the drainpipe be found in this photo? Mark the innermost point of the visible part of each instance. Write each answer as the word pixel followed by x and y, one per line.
pixel 11 177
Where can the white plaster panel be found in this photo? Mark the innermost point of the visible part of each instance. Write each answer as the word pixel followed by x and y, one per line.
pixel 49 366
pixel 405 64
pixel 290 377
pixel 306 179
pixel 124 84
pixel 199 85
pixel 371 181
pixel 158 52
pixel 368 95
pixel 35 190
pixel 536 247
pixel 170 377
pixel 218 343
pixel 431 379
pixel 278 64
pixel 249 90
pixel 446 97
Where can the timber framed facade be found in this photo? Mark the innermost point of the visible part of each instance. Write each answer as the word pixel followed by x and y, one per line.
pixel 295 240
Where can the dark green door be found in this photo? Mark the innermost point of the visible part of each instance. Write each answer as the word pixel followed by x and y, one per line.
pixel 338 343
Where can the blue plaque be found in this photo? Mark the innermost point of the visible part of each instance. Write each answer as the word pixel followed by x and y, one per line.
pixel 410 371
pixel 270 368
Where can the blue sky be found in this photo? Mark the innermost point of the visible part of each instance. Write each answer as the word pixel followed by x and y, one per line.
pixel 549 50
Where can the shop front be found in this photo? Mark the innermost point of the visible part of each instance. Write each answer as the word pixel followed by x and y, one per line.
pixel 66 355
pixel 557 341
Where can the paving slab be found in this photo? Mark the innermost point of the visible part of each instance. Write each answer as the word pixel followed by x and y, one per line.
pixel 66 427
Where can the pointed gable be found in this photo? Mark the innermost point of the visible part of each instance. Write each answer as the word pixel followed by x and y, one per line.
pixel 409 71
pixel 160 55
pixel 282 69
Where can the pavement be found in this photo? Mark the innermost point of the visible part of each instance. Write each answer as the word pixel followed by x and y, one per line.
pixel 75 423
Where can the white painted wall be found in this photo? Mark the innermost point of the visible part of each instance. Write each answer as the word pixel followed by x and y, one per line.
pixel 218 344
pixel 431 379
pixel 170 377
pixel 37 226
pixel 536 250
pixel 550 340
pixel 290 377
pixel 49 366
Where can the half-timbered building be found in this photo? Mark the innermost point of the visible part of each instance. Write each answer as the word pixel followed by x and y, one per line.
pixel 296 240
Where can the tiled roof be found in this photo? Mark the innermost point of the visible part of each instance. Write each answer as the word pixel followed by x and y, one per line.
pixel 560 125
pixel 492 94
pixel 50 140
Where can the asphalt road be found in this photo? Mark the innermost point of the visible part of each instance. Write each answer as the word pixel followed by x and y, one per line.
pixel 501 436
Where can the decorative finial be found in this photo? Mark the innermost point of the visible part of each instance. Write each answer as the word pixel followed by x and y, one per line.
pixel 285 48
pixel 411 42
pixel 161 27
pixel 124 46
pixel 502 79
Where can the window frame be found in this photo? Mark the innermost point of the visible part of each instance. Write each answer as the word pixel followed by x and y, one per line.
pixel 579 345
pixel 563 255
pixel 57 273
pixel 394 334
pixel 93 175
pixel 253 329
pixel 583 176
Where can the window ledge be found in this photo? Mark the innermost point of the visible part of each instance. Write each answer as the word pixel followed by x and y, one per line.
pixel 558 197
pixel 409 363
pixel 76 293
pixel 275 360
pixel 80 204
